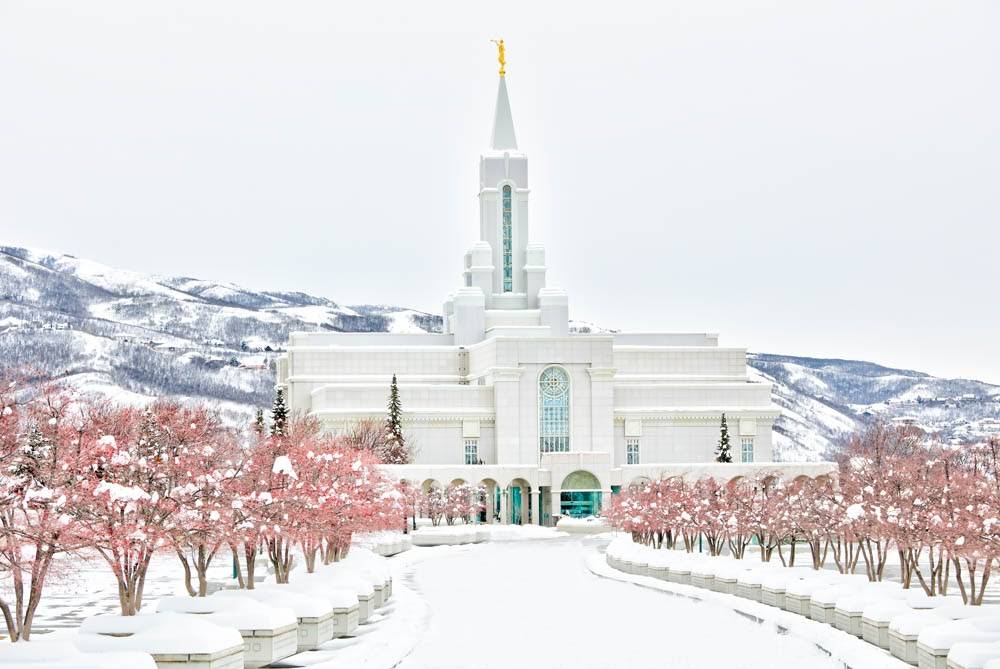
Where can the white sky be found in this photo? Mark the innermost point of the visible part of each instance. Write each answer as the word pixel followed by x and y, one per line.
pixel 816 178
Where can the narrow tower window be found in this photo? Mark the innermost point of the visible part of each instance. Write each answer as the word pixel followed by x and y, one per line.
pixel 553 410
pixel 508 243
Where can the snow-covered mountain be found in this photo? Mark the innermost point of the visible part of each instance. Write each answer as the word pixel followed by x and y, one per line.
pixel 133 336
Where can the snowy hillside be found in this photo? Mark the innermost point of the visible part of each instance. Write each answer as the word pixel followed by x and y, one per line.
pixel 134 336
pixel 821 400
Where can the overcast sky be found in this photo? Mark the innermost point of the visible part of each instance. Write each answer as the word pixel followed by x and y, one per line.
pixel 814 178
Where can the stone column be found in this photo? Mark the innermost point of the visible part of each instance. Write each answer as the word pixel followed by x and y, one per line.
pixel 536 506
pixel 504 517
pixel 555 504
pixel 525 505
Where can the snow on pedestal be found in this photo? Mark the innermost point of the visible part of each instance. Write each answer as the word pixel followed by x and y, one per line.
pixel 877 615
pixel 314 614
pixel 269 633
pixel 934 642
pixel 774 584
pixel 45 654
pixel 727 575
pixel 703 573
pixel 371 561
pixel 906 628
pixel 822 604
pixel 659 564
pixel 798 594
pixel 848 609
pixel 972 655
pixel 174 641
pixel 343 598
pixel 749 583
pixel 680 570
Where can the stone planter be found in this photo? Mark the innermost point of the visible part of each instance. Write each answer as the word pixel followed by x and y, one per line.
pixel 174 641
pixel 749 584
pixel 703 575
pixel 344 604
pixel 799 593
pixel 934 642
pixel 269 633
pixel 747 590
pixel 967 655
pixel 905 629
pixel 680 573
pixel 345 620
pixel 314 614
pixel 875 621
pixel 822 604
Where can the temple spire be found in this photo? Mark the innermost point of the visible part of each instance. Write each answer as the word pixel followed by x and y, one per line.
pixel 503 123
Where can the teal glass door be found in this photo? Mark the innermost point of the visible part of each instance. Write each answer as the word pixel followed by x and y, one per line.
pixel 515 506
pixel 580 503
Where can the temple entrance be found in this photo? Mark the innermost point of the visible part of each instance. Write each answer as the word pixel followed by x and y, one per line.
pixel 580 495
pixel 580 503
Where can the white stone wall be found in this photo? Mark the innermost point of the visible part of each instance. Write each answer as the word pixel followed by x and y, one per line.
pixel 444 444
pixel 728 363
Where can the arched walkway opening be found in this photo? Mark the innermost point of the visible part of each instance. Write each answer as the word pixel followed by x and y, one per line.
pixel 580 495
pixel 518 502
pixel 491 501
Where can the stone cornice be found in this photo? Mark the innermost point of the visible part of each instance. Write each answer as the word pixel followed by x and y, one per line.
pixel 601 373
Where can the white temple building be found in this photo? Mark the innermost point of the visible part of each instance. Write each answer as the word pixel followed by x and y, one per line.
pixel 551 421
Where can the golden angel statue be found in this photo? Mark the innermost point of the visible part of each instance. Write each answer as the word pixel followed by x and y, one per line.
pixel 501 54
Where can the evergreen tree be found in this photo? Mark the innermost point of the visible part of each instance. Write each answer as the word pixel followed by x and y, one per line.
pixel 279 414
pixel 36 450
pixel 150 437
pixel 722 453
pixel 259 425
pixel 395 447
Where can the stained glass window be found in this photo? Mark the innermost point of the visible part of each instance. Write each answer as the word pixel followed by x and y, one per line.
pixel 553 410
pixel 508 243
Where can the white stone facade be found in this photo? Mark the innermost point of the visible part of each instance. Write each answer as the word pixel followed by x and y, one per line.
pixel 508 397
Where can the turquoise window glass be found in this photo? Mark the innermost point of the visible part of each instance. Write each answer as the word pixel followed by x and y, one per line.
pixel 553 410
pixel 508 242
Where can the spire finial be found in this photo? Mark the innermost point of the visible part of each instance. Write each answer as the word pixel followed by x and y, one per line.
pixel 501 55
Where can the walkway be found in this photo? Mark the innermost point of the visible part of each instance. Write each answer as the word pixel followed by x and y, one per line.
pixel 534 604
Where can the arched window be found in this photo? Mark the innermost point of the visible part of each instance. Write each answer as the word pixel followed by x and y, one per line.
pixel 508 242
pixel 553 410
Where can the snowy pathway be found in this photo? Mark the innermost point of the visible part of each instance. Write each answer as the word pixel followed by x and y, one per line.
pixel 534 604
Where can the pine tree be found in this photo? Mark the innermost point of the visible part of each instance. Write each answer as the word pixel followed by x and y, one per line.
pixel 259 425
pixel 722 453
pixel 395 448
pixel 279 414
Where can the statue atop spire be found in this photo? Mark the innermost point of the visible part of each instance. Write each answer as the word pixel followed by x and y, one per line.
pixel 501 55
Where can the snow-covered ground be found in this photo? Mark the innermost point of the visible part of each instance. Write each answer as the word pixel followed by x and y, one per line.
pixel 535 604
pixel 530 597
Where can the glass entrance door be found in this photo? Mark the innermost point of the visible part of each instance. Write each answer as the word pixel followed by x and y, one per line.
pixel 580 503
pixel 515 506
